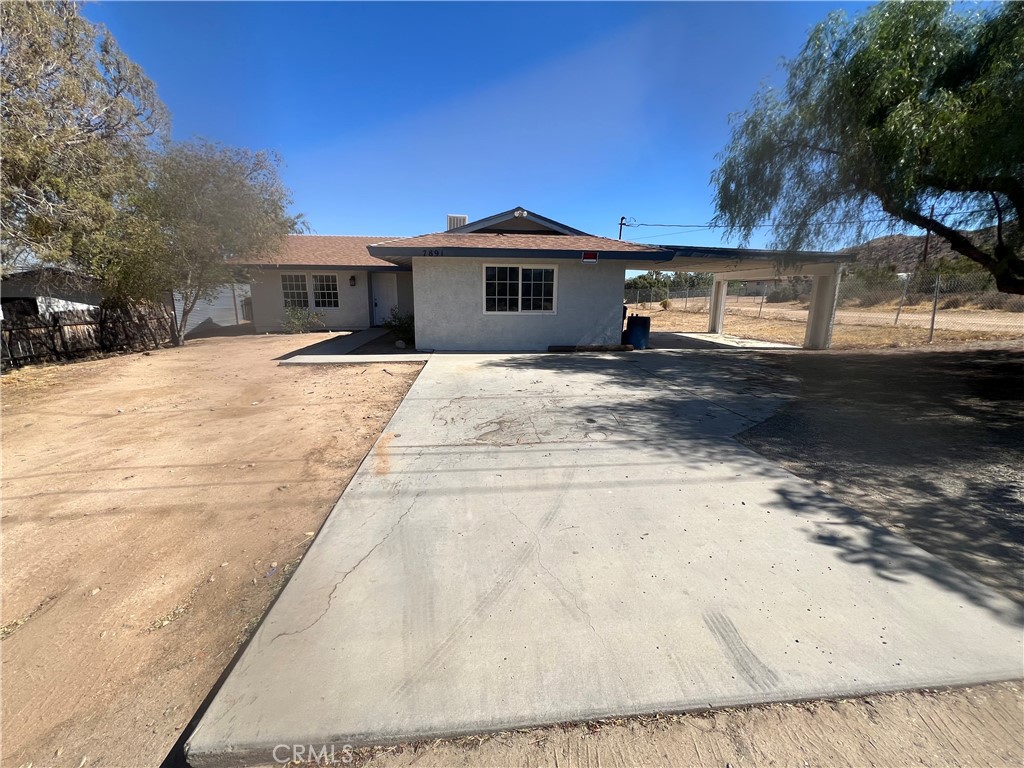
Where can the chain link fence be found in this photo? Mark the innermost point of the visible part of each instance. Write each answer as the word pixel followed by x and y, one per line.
pixel 874 309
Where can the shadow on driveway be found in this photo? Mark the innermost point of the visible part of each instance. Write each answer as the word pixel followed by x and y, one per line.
pixel 929 445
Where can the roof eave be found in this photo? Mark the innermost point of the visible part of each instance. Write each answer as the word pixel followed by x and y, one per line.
pixel 348 267
pixel 390 252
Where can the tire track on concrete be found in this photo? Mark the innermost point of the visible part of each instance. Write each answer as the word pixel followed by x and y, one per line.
pixel 755 672
pixel 498 590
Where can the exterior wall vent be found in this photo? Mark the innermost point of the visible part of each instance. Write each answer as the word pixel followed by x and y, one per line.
pixel 456 220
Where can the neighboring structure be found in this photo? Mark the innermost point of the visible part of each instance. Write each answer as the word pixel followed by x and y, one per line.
pixel 515 281
pixel 45 290
pixel 227 313
pixel 332 275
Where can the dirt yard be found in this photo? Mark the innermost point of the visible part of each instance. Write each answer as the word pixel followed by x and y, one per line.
pixel 968 727
pixel 789 328
pixel 153 506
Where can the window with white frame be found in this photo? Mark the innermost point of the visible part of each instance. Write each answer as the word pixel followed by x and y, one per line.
pixel 294 289
pixel 325 291
pixel 519 289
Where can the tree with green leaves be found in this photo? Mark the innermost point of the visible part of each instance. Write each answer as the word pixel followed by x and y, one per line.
pixel 908 114
pixel 203 206
pixel 76 115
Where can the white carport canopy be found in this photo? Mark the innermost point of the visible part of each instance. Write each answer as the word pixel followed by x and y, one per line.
pixel 751 264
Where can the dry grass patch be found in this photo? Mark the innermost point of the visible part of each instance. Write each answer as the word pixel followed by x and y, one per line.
pixel 781 330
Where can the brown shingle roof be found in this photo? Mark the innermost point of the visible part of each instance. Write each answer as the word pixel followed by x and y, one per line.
pixel 484 240
pixel 322 251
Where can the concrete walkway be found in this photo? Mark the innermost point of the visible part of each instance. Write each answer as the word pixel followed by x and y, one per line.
pixel 348 359
pixel 541 538
pixel 662 340
pixel 338 350
pixel 339 344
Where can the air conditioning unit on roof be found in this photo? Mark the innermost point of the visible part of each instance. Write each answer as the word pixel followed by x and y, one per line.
pixel 456 220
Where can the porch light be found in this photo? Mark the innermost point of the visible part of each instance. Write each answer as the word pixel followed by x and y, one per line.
pixel 352 281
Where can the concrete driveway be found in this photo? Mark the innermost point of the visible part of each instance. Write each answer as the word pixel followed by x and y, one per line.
pixel 538 539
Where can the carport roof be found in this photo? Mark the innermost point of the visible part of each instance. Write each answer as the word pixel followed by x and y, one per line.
pixel 518 233
pixel 631 255
pixel 690 258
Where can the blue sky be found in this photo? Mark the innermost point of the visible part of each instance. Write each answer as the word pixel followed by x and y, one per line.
pixel 390 115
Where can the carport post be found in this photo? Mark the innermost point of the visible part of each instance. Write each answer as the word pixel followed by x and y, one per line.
pixel 822 312
pixel 716 315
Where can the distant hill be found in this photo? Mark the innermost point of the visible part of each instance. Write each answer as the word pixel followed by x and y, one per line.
pixel 901 251
pixel 904 252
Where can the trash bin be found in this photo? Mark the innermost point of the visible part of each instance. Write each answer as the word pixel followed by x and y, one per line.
pixel 638 331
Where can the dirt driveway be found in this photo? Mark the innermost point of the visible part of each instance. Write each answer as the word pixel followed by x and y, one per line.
pixel 153 506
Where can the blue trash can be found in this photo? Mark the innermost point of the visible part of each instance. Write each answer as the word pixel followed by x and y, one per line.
pixel 638 331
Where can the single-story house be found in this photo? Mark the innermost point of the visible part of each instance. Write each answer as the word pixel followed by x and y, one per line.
pixel 515 281
pixel 333 276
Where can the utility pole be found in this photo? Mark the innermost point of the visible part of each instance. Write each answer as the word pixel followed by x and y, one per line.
pixel 622 223
pixel 935 296
pixel 927 236
pixel 935 308
pixel 913 275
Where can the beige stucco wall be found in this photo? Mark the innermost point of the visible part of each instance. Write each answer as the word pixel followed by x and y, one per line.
pixel 405 293
pixel 450 314
pixel 353 312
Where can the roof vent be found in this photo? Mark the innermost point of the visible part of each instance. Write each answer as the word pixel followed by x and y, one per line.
pixel 456 220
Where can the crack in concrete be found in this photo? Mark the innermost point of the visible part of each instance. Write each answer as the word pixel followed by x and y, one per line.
pixel 330 597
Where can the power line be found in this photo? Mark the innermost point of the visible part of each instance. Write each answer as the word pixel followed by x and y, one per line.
pixel 770 225
pixel 669 234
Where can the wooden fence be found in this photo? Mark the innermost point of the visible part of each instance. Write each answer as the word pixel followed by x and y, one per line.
pixel 80 333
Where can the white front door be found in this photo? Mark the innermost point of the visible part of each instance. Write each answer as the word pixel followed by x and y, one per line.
pixel 385 295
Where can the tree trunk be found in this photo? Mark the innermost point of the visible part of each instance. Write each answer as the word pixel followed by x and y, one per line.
pixel 1005 265
pixel 178 329
pixel 1008 270
pixel 187 305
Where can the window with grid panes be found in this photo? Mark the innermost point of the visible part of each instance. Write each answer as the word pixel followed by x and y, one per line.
pixel 537 293
pixel 294 289
pixel 325 291
pixel 519 289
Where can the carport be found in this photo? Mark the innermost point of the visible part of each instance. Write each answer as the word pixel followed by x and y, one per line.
pixel 518 281
pixel 824 268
